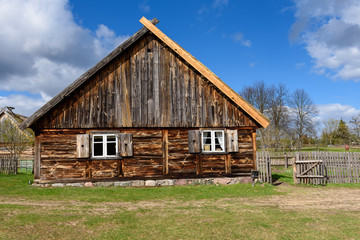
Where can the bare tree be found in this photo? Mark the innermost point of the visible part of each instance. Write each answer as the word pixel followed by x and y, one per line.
pixel 304 111
pixel 278 112
pixel 355 127
pixel 258 95
pixel 329 132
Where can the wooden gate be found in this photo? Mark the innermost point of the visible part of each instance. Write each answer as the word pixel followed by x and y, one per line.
pixel 309 171
pixel 263 164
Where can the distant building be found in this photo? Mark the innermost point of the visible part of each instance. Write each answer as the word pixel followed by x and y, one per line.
pixel 11 136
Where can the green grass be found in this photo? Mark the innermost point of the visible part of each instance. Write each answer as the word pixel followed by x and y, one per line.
pixel 329 149
pixel 183 212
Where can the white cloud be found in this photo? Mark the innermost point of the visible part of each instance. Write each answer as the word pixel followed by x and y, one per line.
pixel 23 104
pixel 239 37
pixel 336 111
pixel 43 49
pixel 330 31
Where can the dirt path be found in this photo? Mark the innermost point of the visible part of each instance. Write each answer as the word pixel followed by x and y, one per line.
pixel 347 199
pixel 296 198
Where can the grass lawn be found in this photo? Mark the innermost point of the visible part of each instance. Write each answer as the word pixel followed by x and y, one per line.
pixel 183 212
pixel 329 149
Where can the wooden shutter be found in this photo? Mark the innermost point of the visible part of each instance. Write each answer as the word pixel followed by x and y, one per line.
pixel 194 141
pixel 125 145
pixel 82 146
pixel 232 141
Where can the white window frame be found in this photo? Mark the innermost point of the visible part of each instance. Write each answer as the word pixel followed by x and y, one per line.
pixel 212 137
pixel 105 141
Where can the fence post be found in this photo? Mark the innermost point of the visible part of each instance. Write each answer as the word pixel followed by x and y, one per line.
pixel 286 161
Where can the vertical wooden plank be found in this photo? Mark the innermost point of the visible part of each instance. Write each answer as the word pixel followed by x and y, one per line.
pixel 150 90
pixel 118 104
pixel 37 157
pixel 156 66
pixel 127 88
pixel 143 83
pixel 198 164
pixel 165 150
pixel 226 160
pixel 254 147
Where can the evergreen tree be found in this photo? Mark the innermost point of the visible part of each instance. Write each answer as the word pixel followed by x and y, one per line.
pixel 343 133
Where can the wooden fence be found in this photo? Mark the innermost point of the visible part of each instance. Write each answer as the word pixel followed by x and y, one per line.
pixel 8 164
pixel 308 169
pixel 338 167
pixel 282 158
pixel 263 164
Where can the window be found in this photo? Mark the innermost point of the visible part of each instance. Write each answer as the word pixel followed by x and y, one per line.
pixel 104 145
pixel 213 141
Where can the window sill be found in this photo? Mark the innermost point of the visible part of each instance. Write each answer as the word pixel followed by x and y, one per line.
pixel 214 153
pixel 106 158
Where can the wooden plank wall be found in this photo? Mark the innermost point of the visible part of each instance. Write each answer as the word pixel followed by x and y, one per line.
pixel 58 157
pixel 147 86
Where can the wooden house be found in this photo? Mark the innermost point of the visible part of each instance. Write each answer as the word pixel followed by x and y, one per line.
pixel 148 110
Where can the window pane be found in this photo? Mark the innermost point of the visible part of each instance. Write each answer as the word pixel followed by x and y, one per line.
pixel 111 149
pixel 111 138
pixel 98 149
pixel 98 138
pixel 206 139
pixel 219 141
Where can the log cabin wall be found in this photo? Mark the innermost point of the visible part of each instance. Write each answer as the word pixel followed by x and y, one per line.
pixel 157 153
pixel 148 85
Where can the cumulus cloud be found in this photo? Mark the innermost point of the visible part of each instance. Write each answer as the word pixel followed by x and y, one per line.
pixel 330 31
pixel 23 104
pixel 43 49
pixel 336 111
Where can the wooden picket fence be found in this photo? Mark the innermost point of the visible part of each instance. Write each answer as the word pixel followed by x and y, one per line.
pixel 8 164
pixel 282 158
pixel 337 167
pixel 263 163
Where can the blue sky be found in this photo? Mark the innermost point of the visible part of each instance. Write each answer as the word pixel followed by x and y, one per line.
pixel 304 44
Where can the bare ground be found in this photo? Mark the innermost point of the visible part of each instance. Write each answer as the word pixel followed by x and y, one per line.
pixel 296 198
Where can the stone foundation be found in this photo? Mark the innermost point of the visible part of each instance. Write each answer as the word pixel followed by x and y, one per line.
pixel 153 183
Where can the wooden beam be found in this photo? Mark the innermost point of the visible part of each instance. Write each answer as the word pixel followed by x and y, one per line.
pixel 165 148
pixel 254 148
pixel 242 103
pixel 37 157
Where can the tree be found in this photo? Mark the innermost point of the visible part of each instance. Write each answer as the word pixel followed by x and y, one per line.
pixel 303 113
pixel 328 134
pixel 278 113
pixel 343 133
pixel 14 140
pixel 258 95
pixel 355 127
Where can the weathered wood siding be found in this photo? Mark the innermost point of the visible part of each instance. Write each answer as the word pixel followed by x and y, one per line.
pixel 146 86
pixel 59 158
